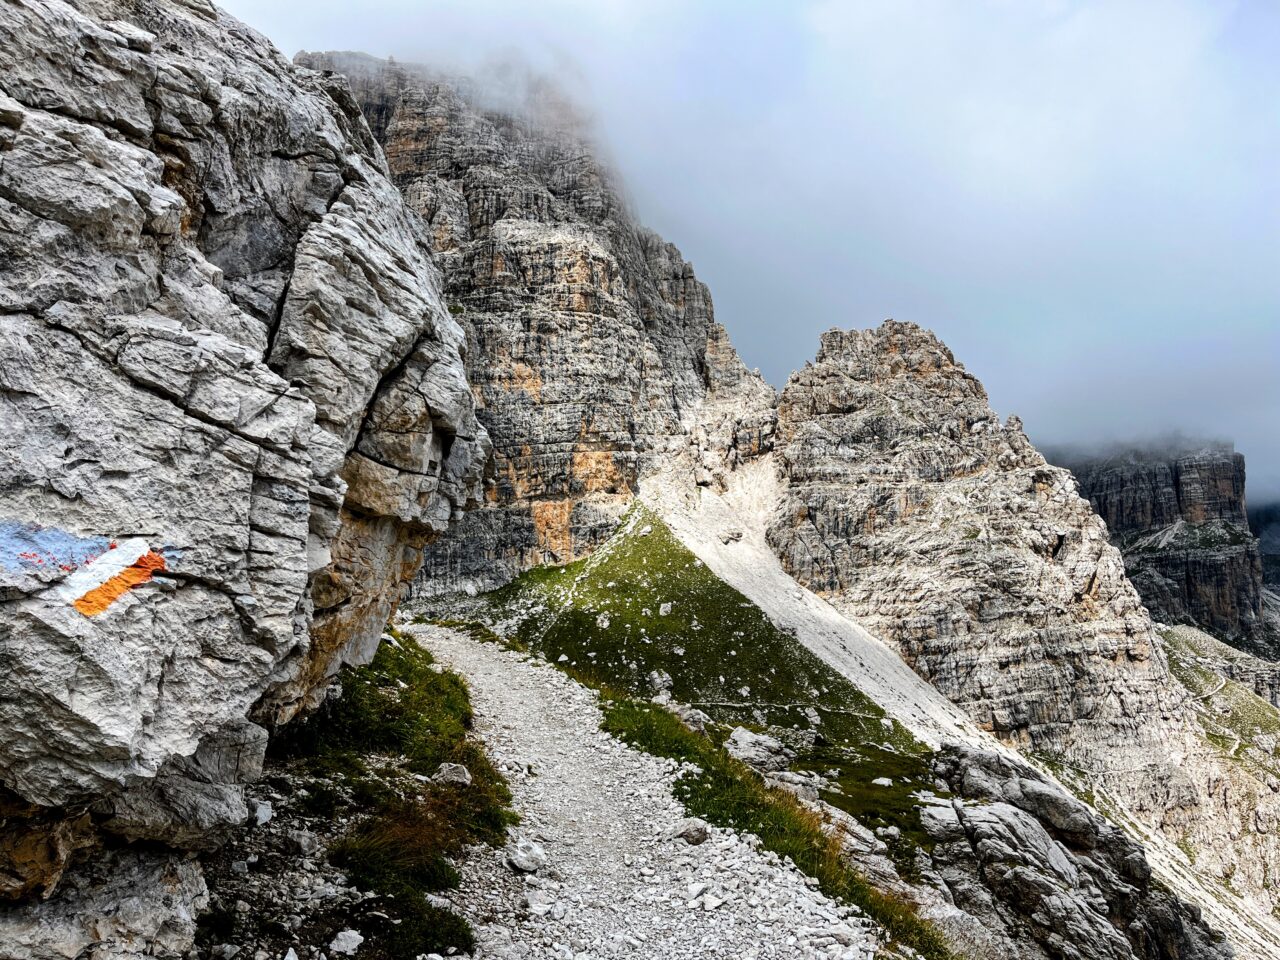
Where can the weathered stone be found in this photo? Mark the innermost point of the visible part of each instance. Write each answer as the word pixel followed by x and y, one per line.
pixel 590 341
pixel 118 906
pixel 1045 872
pixel 452 773
pixel 758 750
pixel 37 845
pixel 946 533
pixel 232 403
pixel 525 856
pixel 1178 515
pixel 907 504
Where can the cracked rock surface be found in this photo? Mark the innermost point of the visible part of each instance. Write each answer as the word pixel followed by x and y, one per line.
pixel 945 532
pixel 232 405
pixel 591 342
pixel 911 508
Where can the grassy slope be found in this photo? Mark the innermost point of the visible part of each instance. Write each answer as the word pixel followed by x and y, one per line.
pixel 602 619
pixel 1234 719
pixel 1232 715
pixel 398 717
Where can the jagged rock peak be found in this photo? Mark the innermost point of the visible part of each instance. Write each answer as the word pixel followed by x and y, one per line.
pixel 232 408
pixel 898 470
pixel 591 343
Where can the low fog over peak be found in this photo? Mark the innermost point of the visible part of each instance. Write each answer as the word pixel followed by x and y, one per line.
pixel 1080 198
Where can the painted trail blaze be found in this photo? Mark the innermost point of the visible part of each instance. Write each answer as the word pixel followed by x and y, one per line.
pixel 97 600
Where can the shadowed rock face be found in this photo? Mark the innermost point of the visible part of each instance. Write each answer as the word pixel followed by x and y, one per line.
pixel 914 510
pixel 232 408
pixel 1179 518
pixel 1042 868
pixel 590 341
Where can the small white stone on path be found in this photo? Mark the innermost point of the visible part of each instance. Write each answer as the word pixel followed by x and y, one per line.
pixel 346 942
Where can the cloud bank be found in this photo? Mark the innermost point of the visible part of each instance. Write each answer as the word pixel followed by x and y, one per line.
pixel 1080 197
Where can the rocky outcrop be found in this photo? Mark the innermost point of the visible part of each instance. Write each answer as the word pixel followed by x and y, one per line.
pixel 120 905
pixel 1178 515
pixel 908 505
pixel 943 531
pixel 1041 869
pixel 591 343
pixel 232 411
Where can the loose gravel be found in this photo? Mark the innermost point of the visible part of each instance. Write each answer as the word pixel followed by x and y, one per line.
pixel 599 821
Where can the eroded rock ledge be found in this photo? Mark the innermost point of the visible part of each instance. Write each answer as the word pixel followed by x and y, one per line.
pixel 232 410
pixel 592 344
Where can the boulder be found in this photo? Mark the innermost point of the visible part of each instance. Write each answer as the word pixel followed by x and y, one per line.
pixel 758 750
pixel 232 406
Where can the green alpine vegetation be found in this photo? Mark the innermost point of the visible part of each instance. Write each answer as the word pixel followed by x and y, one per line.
pixel 399 718
pixel 644 607
pixel 727 793
pixel 1233 717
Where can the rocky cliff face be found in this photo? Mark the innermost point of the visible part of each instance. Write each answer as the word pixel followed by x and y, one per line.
pixel 910 507
pixel 1179 518
pixel 918 513
pixel 591 342
pixel 233 410
pixel 1045 875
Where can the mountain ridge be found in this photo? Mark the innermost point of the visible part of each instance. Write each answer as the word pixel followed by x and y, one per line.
pixel 346 315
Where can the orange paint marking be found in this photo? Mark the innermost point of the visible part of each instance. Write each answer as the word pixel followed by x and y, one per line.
pixel 101 597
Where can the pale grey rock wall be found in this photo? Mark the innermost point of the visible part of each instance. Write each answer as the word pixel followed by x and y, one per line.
pixel 912 508
pixel 591 343
pixel 1029 860
pixel 915 510
pixel 120 905
pixel 232 405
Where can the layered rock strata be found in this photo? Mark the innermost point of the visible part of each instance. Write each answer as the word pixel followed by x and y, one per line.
pixel 591 343
pixel 1179 518
pixel 910 507
pixel 232 411
pixel 943 531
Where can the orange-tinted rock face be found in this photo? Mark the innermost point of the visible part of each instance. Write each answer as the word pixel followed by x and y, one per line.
pixel 590 340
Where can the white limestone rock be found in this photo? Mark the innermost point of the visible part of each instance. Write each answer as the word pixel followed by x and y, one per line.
pixel 222 347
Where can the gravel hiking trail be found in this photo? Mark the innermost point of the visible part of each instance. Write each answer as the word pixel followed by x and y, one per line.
pixel 597 820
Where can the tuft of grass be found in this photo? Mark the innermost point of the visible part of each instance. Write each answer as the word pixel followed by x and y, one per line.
pixel 728 793
pixel 400 718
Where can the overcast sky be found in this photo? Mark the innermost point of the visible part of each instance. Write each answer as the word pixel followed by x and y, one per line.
pixel 1081 198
